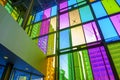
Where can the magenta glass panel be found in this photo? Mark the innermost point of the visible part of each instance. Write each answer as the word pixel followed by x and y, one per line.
pixel 100 64
pixel 44 29
pixel 116 22
pixel 91 32
pixel 47 13
pixel 63 5
pixel 64 21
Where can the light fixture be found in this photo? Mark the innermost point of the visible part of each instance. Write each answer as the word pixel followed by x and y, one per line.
pixel 26 68
pixel 5 57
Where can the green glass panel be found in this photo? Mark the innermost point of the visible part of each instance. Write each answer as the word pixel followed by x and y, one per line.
pixel 9 8
pixel 78 66
pixel 111 6
pixel 88 71
pixel 35 30
pixel 114 49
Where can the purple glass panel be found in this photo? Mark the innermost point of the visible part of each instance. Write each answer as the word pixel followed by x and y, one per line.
pixel 107 63
pixel 63 5
pixel 47 13
pixel 42 43
pixel 91 32
pixel 64 21
pixel 116 21
pixel 44 29
pixel 100 64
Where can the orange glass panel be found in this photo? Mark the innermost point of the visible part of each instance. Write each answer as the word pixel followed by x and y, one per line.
pixel 50 69
pixel 91 0
pixel 3 2
pixel 74 17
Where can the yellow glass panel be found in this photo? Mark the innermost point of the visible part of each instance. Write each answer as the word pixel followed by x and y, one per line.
pixel 29 20
pixel 111 6
pixel 51 44
pixel 50 69
pixel 14 14
pixel 77 36
pixel 53 24
pixel 74 17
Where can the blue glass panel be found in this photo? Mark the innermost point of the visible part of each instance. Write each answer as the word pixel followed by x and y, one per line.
pixel 54 11
pixel 86 14
pixel 98 13
pixel 35 77
pixel 1 71
pixel 38 16
pixel 118 1
pixel 108 30
pixel 19 75
pixel 71 2
pixel 64 39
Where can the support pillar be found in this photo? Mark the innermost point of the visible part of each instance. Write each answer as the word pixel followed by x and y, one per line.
pixel 7 71
pixel 27 14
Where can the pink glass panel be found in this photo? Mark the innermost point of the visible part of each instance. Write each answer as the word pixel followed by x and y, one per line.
pixel 91 32
pixel 63 5
pixel 116 22
pixel 64 21
pixel 47 13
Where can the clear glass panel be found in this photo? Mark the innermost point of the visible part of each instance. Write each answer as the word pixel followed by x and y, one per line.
pixel 74 17
pixel 77 36
pixel 98 13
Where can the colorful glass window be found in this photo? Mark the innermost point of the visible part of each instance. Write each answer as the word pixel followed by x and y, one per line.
pixel 116 22
pixel 111 6
pixel 98 13
pixel 64 39
pixel 114 49
pixel 91 32
pixel 108 30
pixel 84 14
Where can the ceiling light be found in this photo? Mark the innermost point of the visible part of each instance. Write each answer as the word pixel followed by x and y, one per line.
pixel 26 68
pixel 5 57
